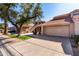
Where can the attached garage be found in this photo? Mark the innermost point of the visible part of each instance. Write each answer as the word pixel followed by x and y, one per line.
pixel 57 30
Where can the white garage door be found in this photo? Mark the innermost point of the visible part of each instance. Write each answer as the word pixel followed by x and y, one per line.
pixel 57 31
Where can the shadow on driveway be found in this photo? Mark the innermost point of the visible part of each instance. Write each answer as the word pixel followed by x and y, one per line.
pixel 2 45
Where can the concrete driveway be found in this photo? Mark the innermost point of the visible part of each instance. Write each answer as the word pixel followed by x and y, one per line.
pixel 44 46
pixel 57 44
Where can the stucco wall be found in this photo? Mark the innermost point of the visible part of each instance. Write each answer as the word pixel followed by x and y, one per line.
pixel 76 24
pixel 72 32
pixel 77 28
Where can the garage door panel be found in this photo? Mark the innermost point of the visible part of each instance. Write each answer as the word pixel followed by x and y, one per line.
pixel 57 31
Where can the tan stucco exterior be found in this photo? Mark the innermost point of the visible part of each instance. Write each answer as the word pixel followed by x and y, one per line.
pixel 76 24
pixel 57 31
pixel 26 28
pixel 56 28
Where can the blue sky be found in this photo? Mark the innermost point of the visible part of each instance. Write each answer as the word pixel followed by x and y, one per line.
pixel 51 10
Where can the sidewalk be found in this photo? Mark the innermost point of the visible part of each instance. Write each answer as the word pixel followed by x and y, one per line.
pixel 5 47
pixel 30 48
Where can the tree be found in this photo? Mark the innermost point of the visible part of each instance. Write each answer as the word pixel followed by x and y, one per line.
pixel 1 26
pixel 5 12
pixel 37 12
pixel 30 12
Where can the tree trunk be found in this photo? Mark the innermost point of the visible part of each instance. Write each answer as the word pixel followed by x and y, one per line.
pixel 19 30
pixel 5 26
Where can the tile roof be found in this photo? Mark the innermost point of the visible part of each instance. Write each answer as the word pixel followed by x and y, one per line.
pixel 56 22
pixel 65 16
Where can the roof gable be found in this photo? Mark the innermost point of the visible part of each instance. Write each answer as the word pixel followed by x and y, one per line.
pixel 67 16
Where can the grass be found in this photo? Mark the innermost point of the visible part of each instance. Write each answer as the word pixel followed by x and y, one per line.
pixel 24 37
pixel 20 37
pixel 12 35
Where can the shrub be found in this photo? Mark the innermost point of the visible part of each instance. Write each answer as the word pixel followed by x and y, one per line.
pixel 76 39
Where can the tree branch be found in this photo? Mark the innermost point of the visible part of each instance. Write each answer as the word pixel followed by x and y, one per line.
pixel 31 17
pixel 12 22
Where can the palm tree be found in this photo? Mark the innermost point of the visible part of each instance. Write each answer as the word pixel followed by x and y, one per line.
pixel 5 10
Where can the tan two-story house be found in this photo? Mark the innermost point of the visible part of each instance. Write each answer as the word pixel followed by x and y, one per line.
pixel 65 25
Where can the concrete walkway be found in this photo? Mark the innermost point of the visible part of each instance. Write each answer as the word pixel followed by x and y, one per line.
pixel 41 46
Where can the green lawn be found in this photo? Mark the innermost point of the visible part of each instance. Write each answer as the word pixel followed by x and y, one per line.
pixel 20 37
pixel 12 35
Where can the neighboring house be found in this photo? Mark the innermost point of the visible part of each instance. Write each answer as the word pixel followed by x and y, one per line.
pixel 65 25
pixel 25 29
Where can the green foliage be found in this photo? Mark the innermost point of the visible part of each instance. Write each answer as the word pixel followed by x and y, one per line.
pixel 25 37
pixel 38 11
pixel 76 39
pixel 6 9
pixel 1 26
pixel 20 37
pixel 12 36
pixel 30 12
